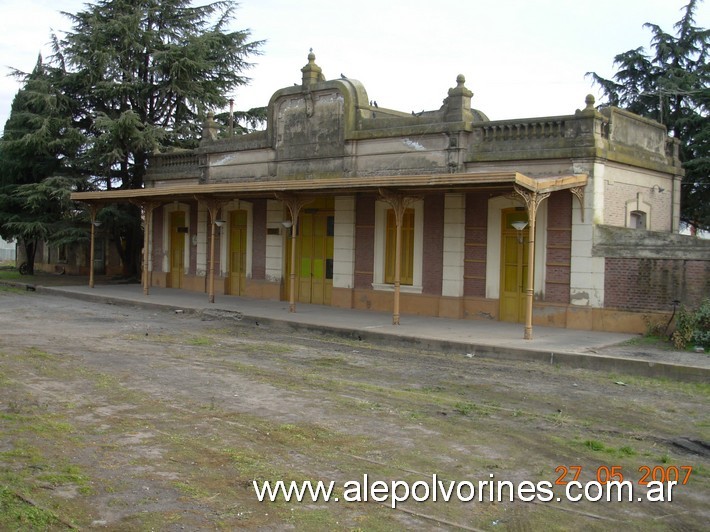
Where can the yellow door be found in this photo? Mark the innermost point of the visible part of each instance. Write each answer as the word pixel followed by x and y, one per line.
pixel 178 230
pixel 304 259
pixel 514 266
pixel 314 255
pixel 237 252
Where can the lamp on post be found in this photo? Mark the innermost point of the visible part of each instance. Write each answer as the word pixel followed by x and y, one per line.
pixel 520 226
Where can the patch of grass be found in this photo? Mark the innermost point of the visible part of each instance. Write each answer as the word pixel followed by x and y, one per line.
pixel 659 383
pixel 290 434
pixel 17 513
pixel 560 418
pixel 67 474
pixel 263 348
pixel 314 519
pixel 432 389
pixel 10 274
pixel 627 450
pixel 34 352
pixel 45 425
pixel 22 452
pixel 201 341
pixel 250 466
pixel 468 408
pixel 595 445
pixel 192 490
pixel 657 342
pixel 327 362
pixel 12 289
pixel 599 447
pixel 700 470
pixel 104 381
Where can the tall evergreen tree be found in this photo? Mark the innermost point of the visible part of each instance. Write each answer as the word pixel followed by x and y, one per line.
pixel 35 181
pixel 672 85
pixel 144 74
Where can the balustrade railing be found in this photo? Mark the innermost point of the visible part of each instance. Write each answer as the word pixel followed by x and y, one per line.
pixel 524 130
pixel 171 161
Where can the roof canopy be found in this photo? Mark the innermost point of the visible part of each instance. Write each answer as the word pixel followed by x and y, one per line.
pixel 267 188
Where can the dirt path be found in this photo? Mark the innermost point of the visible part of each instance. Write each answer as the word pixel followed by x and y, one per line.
pixel 130 419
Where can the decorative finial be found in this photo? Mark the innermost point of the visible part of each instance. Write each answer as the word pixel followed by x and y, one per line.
pixel 458 102
pixel 460 89
pixel 589 100
pixel 312 73
pixel 210 129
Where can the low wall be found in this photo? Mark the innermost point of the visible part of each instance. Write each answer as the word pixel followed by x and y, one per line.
pixel 648 270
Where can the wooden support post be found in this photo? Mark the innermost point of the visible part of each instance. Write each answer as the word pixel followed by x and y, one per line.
pixel 213 207
pixel 292 274
pixel 399 204
pixel 294 204
pixel 213 230
pixel 148 208
pixel 532 201
pixel 94 209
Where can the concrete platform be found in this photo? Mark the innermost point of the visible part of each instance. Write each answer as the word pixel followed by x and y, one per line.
pixel 472 338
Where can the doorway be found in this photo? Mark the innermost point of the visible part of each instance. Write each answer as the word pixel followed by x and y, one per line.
pixel 99 256
pixel 178 230
pixel 314 254
pixel 237 252
pixel 514 266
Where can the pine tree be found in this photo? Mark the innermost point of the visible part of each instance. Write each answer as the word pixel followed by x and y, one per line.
pixel 35 178
pixel 144 74
pixel 673 86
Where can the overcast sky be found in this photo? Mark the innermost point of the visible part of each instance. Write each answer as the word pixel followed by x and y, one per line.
pixel 521 58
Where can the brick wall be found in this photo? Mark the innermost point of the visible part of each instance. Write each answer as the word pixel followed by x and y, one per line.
pixel 639 284
pixel 559 247
pixel 474 283
pixel 617 194
pixel 433 263
pixel 364 241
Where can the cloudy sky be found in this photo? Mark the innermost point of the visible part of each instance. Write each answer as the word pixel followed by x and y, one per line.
pixel 521 58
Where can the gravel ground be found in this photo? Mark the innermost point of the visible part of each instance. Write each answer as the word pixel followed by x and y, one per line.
pixel 121 418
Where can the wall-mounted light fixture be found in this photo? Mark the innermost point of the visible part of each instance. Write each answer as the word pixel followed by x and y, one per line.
pixel 287 224
pixel 520 226
pixel 220 223
pixel 97 223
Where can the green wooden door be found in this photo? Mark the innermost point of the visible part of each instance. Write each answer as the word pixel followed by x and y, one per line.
pixel 514 266
pixel 237 252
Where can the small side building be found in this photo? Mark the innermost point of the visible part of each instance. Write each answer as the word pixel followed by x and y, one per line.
pixel 442 213
pixel 7 250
